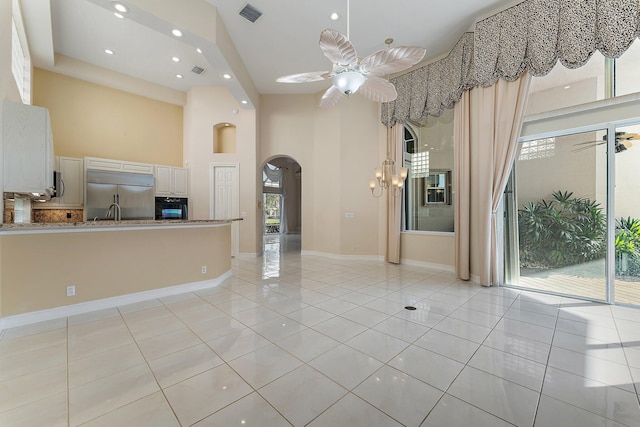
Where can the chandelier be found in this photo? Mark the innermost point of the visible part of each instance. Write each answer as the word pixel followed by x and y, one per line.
pixel 387 177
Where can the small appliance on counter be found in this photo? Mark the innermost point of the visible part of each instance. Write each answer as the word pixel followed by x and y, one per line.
pixel 172 208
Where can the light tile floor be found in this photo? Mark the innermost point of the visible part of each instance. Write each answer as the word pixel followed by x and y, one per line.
pixel 302 340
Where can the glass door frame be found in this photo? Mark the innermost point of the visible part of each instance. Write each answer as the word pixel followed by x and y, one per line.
pixel 576 115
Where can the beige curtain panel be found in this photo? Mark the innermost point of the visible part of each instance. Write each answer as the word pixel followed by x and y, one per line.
pixel 462 180
pixel 487 125
pixel 533 35
pixel 394 202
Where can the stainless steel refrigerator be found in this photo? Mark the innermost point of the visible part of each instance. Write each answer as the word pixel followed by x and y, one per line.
pixel 133 192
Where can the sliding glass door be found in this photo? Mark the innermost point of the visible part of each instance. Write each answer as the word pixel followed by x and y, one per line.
pixel 572 215
pixel 556 203
pixel 627 215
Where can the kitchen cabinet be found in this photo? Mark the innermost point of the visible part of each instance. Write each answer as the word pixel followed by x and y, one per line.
pixel 72 173
pixel 171 181
pixel 95 163
pixel 27 149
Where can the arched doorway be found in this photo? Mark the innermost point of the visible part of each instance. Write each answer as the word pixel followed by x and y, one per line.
pixel 281 205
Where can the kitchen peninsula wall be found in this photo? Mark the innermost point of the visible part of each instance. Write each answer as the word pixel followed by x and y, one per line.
pixel 88 119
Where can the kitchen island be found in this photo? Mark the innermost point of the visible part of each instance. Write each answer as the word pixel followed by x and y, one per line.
pixel 109 264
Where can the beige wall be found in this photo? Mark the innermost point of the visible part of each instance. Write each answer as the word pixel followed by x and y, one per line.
pixel 37 268
pixel 435 249
pixel 92 120
pixel 206 107
pixel 338 150
pixel 8 88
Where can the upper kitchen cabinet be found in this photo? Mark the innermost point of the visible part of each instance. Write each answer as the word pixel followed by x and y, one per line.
pixel 71 191
pixel 171 181
pixel 28 149
pixel 94 163
pixel 72 171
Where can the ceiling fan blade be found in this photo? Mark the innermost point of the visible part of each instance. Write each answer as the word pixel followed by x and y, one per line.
pixel 391 60
pixel 626 143
pixel 337 48
pixel 378 89
pixel 331 97
pixel 314 76
pixel 628 136
pixel 591 142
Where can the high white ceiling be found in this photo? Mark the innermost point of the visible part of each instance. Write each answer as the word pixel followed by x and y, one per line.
pixel 284 40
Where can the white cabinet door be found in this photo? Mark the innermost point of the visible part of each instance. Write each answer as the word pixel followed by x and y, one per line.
pixel 118 165
pixel 28 149
pixel 72 171
pixel 180 182
pixel 103 164
pixel 163 180
pixel 171 181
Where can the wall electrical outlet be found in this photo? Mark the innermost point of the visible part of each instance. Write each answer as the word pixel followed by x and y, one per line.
pixel 204 269
pixel 71 291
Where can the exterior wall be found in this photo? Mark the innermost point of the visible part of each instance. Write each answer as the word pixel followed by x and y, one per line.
pixel 88 119
pixel 36 268
pixel 206 107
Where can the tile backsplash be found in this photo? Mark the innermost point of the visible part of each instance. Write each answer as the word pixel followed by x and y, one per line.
pixel 57 215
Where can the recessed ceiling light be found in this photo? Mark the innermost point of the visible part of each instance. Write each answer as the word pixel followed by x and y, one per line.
pixel 175 59
pixel 198 50
pixel 226 76
pixel 118 15
pixel 177 33
pixel 244 102
pixel 334 16
pixel 119 7
pixel 180 76
pixel 567 87
pixel 109 52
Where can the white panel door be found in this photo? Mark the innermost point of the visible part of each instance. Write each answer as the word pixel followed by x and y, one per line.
pixel 225 200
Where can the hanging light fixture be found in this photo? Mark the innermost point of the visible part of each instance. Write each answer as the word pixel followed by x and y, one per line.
pixel 387 177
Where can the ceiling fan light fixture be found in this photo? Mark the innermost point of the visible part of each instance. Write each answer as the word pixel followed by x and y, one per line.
pixel 348 82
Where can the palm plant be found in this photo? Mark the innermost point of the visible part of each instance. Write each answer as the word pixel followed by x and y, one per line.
pixel 627 244
pixel 561 232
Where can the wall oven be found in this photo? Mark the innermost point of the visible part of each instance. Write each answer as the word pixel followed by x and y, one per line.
pixel 172 208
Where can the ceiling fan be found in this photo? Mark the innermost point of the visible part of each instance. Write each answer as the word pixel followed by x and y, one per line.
pixel 623 142
pixel 350 74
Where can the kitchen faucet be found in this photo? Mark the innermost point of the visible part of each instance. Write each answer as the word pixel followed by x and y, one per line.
pixel 117 215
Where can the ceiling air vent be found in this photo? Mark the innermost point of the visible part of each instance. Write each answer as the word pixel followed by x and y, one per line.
pixel 197 70
pixel 250 13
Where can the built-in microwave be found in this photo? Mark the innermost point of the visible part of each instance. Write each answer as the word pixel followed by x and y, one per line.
pixel 172 208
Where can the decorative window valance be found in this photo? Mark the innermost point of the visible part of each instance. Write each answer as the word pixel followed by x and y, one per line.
pixel 532 35
pixel 272 173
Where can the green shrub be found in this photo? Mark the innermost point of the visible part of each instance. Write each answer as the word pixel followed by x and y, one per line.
pixel 628 246
pixel 561 232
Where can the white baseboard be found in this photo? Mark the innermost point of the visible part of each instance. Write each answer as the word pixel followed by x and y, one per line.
pixel 100 304
pixel 430 265
pixel 247 255
pixel 344 257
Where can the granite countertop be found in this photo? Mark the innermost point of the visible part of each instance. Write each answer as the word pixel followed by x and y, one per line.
pixel 111 224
